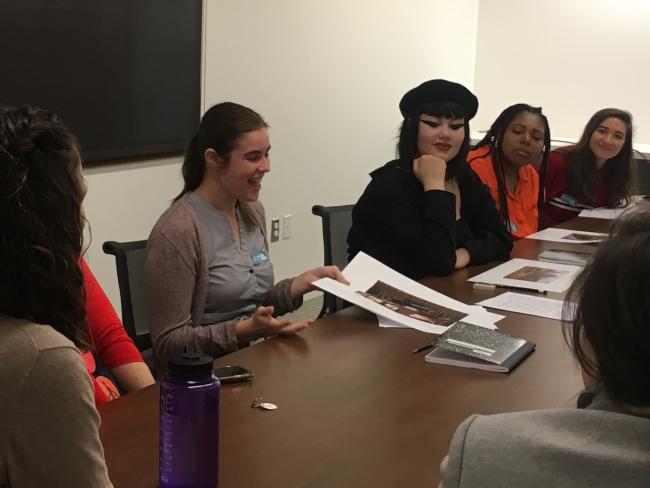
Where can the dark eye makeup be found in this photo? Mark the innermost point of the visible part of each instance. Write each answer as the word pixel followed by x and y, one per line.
pixel 434 124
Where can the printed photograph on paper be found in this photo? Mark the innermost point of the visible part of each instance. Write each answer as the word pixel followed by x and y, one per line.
pixel 537 275
pixel 411 306
pixel 577 236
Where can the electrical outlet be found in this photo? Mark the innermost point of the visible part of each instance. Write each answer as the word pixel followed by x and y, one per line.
pixel 286 226
pixel 275 230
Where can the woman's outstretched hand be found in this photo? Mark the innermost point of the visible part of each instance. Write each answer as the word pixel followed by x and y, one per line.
pixel 263 324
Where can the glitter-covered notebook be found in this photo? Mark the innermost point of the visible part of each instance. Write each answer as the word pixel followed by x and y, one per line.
pixel 471 346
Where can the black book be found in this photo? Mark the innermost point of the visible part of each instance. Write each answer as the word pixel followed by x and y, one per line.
pixel 470 346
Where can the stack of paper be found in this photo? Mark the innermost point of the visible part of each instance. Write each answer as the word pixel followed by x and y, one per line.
pixel 614 213
pixel 563 256
pixel 530 274
pixel 602 212
pixel 568 236
pixel 526 304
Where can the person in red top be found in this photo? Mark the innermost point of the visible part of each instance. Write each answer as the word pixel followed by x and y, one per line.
pixel 112 346
pixel 504 160
pixel 597 172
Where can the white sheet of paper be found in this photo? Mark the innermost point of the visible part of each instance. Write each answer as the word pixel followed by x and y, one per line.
pixel 526 304
pixel 614 213
pixel 558 279
pixel 602 212
pixel 564 235
pixel 364 271
pixel 389 324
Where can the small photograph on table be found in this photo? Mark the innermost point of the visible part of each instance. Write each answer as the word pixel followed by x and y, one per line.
pixel 569 236
pixel 411 306
pixel 537 275
pixel 578 236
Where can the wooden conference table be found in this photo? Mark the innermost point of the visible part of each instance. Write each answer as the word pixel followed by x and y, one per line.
pixel 356 406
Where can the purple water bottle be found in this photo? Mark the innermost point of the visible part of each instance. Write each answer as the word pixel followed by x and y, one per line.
pixel 189 424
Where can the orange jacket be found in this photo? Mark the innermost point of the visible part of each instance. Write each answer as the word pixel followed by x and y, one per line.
pixel 522 205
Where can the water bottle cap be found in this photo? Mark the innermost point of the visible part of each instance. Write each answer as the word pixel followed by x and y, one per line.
pixel 191 365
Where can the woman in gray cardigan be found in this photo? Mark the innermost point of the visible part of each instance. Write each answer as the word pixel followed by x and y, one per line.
pixel 606 441
pixel 209 279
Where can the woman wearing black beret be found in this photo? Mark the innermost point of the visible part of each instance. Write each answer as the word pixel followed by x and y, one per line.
pixel 427 213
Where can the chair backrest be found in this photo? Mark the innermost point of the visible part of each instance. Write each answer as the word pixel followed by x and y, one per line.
pixel 337 221
pixel 129 261
pixel 643 175
pixel 336 225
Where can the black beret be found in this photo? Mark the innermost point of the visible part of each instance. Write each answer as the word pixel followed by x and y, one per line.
pixel 439 91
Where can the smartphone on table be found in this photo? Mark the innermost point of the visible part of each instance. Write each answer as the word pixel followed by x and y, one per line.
pixel 233 374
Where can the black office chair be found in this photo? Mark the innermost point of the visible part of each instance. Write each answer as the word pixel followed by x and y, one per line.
pixel 129 262
pixel 643 173
pixel 337 221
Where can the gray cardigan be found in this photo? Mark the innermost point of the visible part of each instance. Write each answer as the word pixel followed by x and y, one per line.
pixel 605 445
pixel 176 284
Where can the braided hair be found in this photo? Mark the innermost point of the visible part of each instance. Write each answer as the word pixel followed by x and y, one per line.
pixel 41 235
pixel 494 141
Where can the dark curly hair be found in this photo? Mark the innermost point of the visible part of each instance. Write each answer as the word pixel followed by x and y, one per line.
pixel 607 312
pixel 41 236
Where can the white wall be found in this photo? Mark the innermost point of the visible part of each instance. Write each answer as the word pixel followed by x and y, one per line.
pixel 327 76
pixel 572 57
pixel 122 204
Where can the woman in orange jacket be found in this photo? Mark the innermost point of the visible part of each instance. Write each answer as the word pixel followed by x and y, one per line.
pixel 518 139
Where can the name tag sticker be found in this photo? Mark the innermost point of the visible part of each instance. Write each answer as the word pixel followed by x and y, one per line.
pixel 259 257
pixel 513 227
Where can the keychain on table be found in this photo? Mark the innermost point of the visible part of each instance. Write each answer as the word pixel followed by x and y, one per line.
pixel 261 404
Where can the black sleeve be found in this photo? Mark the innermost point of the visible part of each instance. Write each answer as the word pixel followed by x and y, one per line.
pixel 407 229
pixel 491 241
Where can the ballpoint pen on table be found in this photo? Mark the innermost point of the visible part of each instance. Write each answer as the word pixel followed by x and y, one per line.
pixel 428 345
pixel 490 287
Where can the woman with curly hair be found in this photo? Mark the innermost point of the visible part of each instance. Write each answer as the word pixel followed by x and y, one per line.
pixel 49 425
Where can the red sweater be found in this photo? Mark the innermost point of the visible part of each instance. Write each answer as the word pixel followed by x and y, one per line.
pixel 112 344
pixel 559 205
